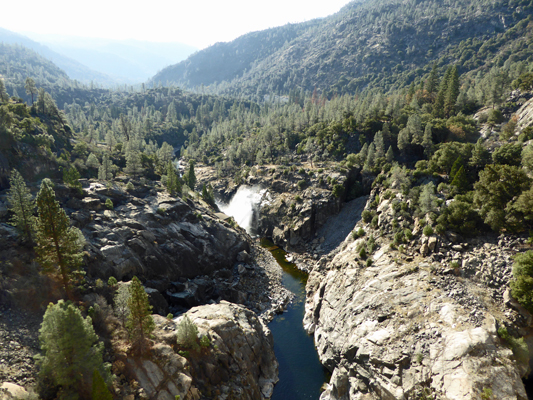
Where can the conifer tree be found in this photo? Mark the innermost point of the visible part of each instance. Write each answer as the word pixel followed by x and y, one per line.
pixel 427 141
pixel 452 92
pixel 190 177
pixel 22 204
pixel 30 87
pixel 105 171
pixel 100 390
pixel 58 245
pixel 438 107
pixel 460 180
pixel 431 83
pixel 133 164
pixel 390 155
pixel 71 351
pixel 120 301
pixel 3 93
pixel 173 182
pixel 140 323
pixel 92 161
pixel 428 200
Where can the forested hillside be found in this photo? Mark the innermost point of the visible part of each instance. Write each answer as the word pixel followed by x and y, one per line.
pixel 375 43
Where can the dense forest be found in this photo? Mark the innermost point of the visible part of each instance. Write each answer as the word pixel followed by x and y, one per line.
pixel 367 44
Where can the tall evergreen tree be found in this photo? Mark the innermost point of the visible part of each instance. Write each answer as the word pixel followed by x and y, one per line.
pixel 431 83
pixel 140 323
pixel 71 351
pixel 30 87
pixel 173 181
pixel 452 92
pixel 58 245
pixel 105 171
pixel 3 92
pixel 22 204
pixel 427 141
pixel 438 107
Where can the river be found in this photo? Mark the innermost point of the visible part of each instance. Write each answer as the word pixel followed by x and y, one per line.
pixel 300 373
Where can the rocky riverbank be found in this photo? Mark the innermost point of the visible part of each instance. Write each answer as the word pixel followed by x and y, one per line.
pixel 420 322
pixel 184 253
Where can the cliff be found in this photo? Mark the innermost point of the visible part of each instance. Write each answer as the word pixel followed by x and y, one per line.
pixel 419 323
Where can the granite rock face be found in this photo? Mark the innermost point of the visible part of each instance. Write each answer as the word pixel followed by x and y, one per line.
pixel 239 363
pixel 155 236
pixel 408 326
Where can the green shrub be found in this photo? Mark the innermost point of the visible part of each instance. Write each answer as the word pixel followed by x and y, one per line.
pixel 129 186
pixel 398 238
pixel 205 341
pixel 518 346
pixel 428 230
pixel 170 316
pixel 109 204
pixel 369 262
pixel 522 284
pixel 356 234
pixel 486 394
pixel 187 334
pixel 367 216
pixel 302 184
pixel 375 221
pixel 362 253
pixel 408 234
pixel 112 281
pixel 338 190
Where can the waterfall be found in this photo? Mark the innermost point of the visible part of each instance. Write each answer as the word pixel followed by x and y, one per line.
pixel 244 206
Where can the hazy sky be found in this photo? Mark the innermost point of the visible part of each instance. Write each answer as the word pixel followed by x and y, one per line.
pixel 196 22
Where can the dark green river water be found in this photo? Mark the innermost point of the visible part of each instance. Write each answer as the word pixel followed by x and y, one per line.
pixel 300 373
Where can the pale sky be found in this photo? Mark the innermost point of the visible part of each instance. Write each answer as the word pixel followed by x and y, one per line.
pixel 199 23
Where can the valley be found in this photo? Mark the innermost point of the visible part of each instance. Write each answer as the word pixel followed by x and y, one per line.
pixel 339 209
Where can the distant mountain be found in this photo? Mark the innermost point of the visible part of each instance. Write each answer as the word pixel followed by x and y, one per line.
pixel 74 69
pixel 127 61
pixel 369 43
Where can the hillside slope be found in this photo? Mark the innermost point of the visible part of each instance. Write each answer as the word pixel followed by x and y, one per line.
pixel 74 69
pixel 374 43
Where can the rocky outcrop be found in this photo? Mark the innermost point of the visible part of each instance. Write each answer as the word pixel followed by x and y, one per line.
pixel 297 202
pixel 154 236
pixel 406 326
pixel 239 362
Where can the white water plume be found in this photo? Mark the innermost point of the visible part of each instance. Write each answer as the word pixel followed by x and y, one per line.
pixel 244 206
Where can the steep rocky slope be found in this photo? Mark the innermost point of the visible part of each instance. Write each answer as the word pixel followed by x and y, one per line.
pixel 239 362
pixel 419 323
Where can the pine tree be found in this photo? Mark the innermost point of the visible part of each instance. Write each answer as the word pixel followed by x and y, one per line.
pixel 428 200
pixel 100 390
pixel 460 180
pixel 133 164
pixel 173 182
pixel 71 178
pixel 30 87
pixel 140 323
pixel 3 93
pixel 71 351
pixel 92 161
pixel 58 245
pixel 190 176
pixel 121 299
pixel 187 333
pixel 105 171
pixel 431 83
pixel 452 92
pixel 21 204
pixel 438 107
pixel 404 139
pixel 427 141
pixel 390 155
